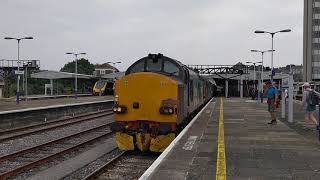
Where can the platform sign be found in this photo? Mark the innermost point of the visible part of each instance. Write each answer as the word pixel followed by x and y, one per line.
pixel 285 82
pixel 19 72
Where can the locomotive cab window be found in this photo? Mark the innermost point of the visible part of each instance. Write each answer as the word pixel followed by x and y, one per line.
pixel 154 65
pixel 170 68
pixel 138 67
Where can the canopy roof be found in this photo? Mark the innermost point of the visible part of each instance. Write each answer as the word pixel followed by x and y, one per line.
pixel 67 75
pixel 59 75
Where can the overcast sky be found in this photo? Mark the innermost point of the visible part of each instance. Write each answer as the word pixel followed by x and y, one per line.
pixel 194 32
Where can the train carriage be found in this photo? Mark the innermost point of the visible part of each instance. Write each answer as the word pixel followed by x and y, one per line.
pixel 154 100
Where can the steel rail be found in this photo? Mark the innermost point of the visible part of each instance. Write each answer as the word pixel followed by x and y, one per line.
pixel 102 169
pixel 15 136
pixel 29 166
pixel 27 150
pixel 14 130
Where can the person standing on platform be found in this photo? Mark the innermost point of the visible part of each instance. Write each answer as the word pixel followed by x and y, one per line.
pixel 261 96
pixel 310 98
pixel 272 95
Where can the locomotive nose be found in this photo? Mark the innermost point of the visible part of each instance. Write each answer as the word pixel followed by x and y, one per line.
pixel 143 95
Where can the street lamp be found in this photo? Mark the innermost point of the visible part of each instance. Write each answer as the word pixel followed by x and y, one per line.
pixel 262 53
pixel 76 72
pixel 18 84
pixel 254 71
pixel 254 74
pixel 272 35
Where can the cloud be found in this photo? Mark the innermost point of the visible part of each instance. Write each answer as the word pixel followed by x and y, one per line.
pixel 195 32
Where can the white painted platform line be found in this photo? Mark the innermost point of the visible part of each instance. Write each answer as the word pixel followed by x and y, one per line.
pixel 190 142
pixel 52 107
pixel 156 163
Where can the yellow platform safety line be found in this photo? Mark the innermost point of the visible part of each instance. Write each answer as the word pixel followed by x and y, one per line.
pixel 221 154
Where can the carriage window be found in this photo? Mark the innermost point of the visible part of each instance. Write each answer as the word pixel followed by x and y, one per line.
pixel 170 68
pixel 137 67
pixel 154 65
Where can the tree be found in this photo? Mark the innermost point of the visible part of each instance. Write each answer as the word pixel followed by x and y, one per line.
pixel 84 67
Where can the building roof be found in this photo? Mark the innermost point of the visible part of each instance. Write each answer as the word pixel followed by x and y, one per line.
pixel 104 66
pixel 59 75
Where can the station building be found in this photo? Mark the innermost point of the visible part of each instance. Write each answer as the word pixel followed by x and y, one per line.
pixel 311 40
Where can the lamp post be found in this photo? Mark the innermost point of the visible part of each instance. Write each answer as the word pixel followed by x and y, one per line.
pixel 272 36
pixel 262 53
pixel 18 84
pixel 254 72
pixel 76 73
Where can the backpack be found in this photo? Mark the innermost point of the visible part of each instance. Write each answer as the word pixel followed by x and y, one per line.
pixel 313 99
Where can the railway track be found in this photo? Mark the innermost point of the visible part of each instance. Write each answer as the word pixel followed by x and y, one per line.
pixel 29 158
pixel 42 127
pixel 125 165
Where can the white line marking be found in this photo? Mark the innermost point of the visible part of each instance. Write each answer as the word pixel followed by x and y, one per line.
pixel 156 163
pixel 190 142
pixel 233 119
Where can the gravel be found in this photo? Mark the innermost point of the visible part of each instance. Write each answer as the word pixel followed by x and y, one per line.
pixel 61 159
pixel 37 139
pixel 130 166
pixel 86 170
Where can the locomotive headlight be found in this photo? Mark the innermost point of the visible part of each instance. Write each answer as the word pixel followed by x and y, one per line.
pixel 166 110
pixel 116 98
pixel 120 109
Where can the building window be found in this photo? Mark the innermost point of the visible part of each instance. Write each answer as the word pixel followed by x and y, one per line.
pixel 316 58
pixel 315 70
pixel 316 64
pixel 316 40
pixel 316 28
pixel 316 4
pixel 102 71
pixel 316 52
pixel 316 16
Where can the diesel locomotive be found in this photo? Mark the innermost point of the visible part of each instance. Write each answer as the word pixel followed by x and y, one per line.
pixel 154 100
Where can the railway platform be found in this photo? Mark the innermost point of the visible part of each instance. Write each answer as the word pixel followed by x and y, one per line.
pixel 14 115
pixel 230 139
pixel 10 104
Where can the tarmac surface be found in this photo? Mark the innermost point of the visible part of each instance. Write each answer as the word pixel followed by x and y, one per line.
pixel 7 105
pixel 234 141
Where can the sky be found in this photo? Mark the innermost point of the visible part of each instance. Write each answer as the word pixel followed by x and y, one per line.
pixel 217 32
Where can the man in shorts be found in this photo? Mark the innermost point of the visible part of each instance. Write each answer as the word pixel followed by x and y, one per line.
pixel 272 95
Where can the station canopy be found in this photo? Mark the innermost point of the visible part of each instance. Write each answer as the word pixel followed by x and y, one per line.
pixel 66 75
pixel 60 75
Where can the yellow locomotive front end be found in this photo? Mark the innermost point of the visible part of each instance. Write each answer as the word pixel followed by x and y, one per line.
pixel 145 111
